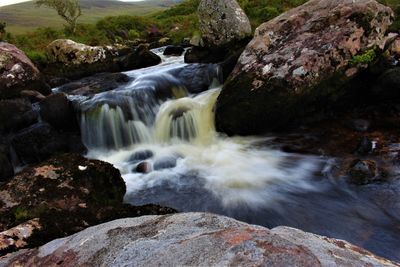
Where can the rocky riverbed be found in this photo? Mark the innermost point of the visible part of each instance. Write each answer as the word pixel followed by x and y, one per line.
pixel 318 85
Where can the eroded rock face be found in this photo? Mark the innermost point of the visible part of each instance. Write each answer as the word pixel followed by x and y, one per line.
pixel 297 63
pixel 193 239
pixel 17 73
pixel 222 21
pixel 63 195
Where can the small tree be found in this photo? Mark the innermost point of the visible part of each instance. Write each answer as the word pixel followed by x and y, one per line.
pixel 69 10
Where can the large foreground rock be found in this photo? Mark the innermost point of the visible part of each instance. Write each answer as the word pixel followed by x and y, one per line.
pixel 17 73
pixel 297 64
pixel 62 195
pixel 222 21
pixel 193 239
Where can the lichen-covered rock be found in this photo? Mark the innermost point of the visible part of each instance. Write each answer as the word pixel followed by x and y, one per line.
pixel 69 52
pixel 222 21
pixel 297 63
pixel 17 73
pixel 16 237
pixel 193 239
pixel 72 61
pixel 64 195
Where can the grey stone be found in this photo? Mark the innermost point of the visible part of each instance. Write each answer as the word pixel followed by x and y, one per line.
pixel 193 239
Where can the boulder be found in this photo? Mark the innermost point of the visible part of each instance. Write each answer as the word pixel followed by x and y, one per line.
pixel 173 50
pixel 222 22
pixel 193 239
pixel 297 64
pixel 17 73
pixel 16 114
pixel 363 172
pixel 143 167
pixel 142 57
pixel 98 83
pixel 63 195
pixel 72 61
pixel 57 110
pixel 41 141
pixel 387 86
pixel 71 53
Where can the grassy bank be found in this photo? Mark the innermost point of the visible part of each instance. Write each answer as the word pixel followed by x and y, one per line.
pixel 176 22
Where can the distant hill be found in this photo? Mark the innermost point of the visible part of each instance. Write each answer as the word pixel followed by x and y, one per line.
pixel 26 16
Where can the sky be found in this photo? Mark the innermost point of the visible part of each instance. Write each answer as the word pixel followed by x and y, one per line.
pixel 10 2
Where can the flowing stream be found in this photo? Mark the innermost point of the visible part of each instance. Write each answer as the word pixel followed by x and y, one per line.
pixel 158 130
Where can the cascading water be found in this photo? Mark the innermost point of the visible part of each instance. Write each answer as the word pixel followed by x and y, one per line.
pixel 164 118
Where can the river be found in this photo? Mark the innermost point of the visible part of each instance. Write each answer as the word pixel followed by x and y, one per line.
pixel 162 123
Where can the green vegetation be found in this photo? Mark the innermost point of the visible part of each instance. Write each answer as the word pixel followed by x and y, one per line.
pixel 21 214
pixel 365 58
pixel 176 22
pixel 260 11
pixel 26 17
pixel 68 10
pixel 2 30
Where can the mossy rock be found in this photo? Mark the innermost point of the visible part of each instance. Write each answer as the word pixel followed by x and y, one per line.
pixel 67 194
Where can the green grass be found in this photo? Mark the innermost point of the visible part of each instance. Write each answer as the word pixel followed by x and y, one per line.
pixel 26 17
pixel 110 21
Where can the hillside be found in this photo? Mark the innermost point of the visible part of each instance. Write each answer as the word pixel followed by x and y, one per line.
pixel 26 16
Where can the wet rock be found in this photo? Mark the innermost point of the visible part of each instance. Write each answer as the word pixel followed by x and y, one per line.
pixel 17 73
pixel 165 163
pixel 33 96
pixel 222 22
pixel 298 64
pixel 141 155
pixel 194 239
pixel 66 194
pixel 143 167
pixel 142 57
pixel 57 110
pixel 16 114
pixel 364 147
pixel 363 172
pixel 387 87
pixel 173 50
pixel 197 78
pixel 40 141
pixel 95 84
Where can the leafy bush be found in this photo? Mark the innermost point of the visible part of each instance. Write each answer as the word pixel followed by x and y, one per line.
pixel 120 26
